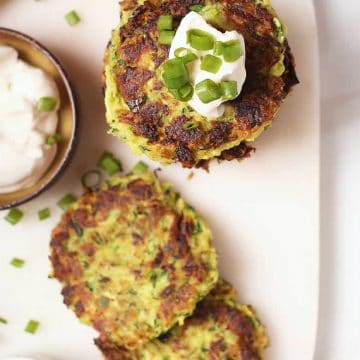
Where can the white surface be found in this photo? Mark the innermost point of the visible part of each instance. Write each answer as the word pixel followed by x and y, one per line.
pixel 264 211
pixel 339 325
pixel 234 71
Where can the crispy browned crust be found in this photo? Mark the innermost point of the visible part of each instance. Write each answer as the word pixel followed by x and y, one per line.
pixel 218 308
pixel 84 233
pixel 258 103
pixel 111 351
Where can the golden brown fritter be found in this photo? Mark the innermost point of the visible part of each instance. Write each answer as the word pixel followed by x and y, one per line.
pixel 133 258
pixel 142 112
pixel 219 329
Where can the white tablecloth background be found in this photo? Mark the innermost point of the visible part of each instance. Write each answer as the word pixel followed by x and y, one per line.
pixel 339 318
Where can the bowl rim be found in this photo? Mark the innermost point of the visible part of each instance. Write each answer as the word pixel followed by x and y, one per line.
pixel 74 107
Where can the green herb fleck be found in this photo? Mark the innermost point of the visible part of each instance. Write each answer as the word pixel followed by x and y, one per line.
pixel 18 263
pixel 72 18
pixel 47 104
pixel 197 7
pixel 197 228
pixel 32 326
pixel 109 163
pixel 66 201
pixel 53 139
pixel 140 168
pixel 44 214
pixel 103 301
pixel 78 229
pixel 14 216
pixel 190 125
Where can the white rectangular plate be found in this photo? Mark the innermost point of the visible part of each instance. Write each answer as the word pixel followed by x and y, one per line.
pixel 263 211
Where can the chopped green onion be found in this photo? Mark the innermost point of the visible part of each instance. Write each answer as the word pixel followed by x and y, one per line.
pixel 218 48
pixel 211 64
pixel 200 40
pixel 72 18
pixel 32 326
pixel 190 125
pixel 140 168
pixel 166 37
pixel 44 214
pixel 175 74
pixel 232 50
pixel 14 216
pixel 53 139
pixel 47 104
pixel 108 163
pixel 165 22
pixel 208 91
pixel 229 90
pixel 3 321
pixel 92 180
pixel 185 93
pixel 197 8
pixel 18 263
pixel 66 201
pixel 185 55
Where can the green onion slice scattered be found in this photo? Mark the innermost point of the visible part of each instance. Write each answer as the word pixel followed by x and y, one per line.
pixel 72 18
pixel 197 8
pixel 165 22
pixel 211 64
pixel 200 40
pixel 208 91
pixel 3 321
pixel 186 55
pixel 232 50
pixel 14 216
pixel 166 37
pixel 92 180
pixel 47 104
pixel 18 263
pixel 32 326
pixel 44 214
pixel 140 168
pixel 66 201
pixel 185 93
pixel 109 163
pixel 175 74
pixel 53 139
pixel 229 90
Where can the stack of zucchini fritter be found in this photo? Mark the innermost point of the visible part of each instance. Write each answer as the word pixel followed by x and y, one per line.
pixel 142 112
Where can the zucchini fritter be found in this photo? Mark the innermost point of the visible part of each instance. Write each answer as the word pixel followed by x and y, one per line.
pixel 133 258
pixel 219 329
pixel 142 112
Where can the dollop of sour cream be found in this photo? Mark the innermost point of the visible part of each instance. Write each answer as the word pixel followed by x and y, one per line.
pixel 228 71
pixel 23 128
